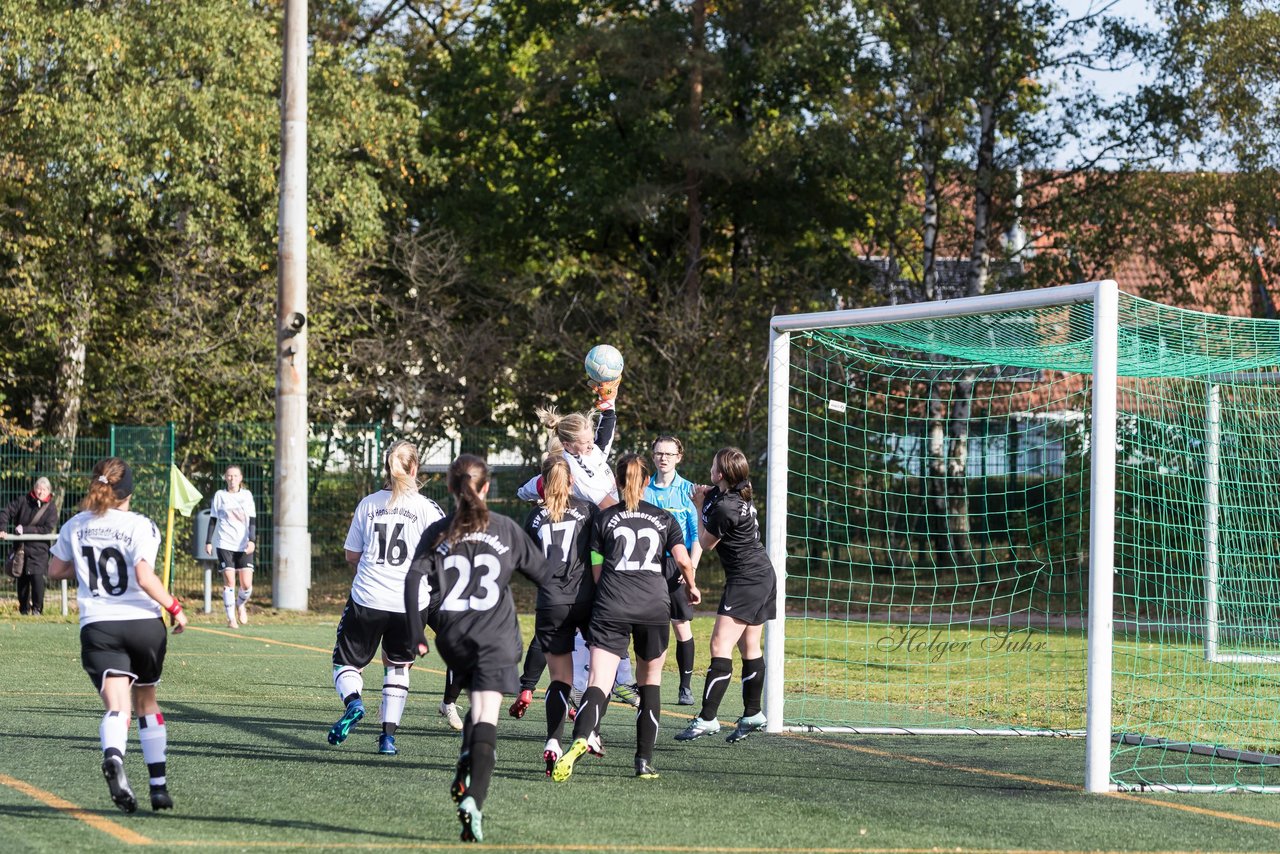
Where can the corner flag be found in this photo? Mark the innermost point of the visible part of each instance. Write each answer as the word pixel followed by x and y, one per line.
pixel 183 497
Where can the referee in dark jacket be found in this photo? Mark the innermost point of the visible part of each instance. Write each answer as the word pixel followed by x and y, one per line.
pixel 32 514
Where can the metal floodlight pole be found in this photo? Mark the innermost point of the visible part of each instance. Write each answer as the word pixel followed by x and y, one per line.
pixel 292 542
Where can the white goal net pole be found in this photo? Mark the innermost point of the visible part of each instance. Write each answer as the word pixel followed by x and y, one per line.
pixel 1213 444
pixel 1102 535
pixel 1213 516
pixel 1105 298
pixel 776 523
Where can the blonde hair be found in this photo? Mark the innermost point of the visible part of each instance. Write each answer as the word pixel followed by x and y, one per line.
pixel 401 470
pixel 633 477
pixel 556 482
pixel 101 496
pixel 566 428
pixel 467 477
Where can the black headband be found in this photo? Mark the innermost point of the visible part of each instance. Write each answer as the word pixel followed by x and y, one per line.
pixel 123 487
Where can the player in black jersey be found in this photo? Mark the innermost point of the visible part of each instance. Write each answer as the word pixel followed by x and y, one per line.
pixel 633 602
pixel 468 557
pixel 728 524
pixel 562 526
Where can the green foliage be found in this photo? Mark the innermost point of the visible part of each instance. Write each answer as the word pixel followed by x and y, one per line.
pixel 495 187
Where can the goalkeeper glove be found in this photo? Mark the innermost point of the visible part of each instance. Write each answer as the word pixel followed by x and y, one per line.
pixel 606 393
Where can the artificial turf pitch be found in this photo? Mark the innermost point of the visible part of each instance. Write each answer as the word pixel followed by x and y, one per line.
pixel 249 768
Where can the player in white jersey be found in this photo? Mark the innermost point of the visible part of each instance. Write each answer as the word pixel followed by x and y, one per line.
pixel 232 533
pixel 381 542
pixel 586 451
pixel 111 553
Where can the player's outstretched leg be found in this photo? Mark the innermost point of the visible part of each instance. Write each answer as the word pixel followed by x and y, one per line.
pixel 753 719
pixel 746 725
pixel 155 745
pixel 342 728
pixel 563 768
pixel 522 704
pixel 118 784
pixel 551 754
pixel 469 815
pixel 242 604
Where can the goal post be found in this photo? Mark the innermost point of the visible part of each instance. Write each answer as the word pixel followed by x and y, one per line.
pixel 1026 514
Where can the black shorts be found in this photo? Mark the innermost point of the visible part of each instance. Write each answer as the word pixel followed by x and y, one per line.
pixel 751 601
pixel 681 610
pixel 361 629
pixel 481 667
pixel 229 560
pixel 555 626
pixel 650 640
pixel 133 648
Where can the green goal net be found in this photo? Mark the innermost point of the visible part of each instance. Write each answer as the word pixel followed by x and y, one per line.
pixel 953 487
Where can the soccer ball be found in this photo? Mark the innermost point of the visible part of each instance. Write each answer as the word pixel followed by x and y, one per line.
pixel 603 363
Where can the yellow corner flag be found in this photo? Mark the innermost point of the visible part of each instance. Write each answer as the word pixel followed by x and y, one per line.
pixel 183 497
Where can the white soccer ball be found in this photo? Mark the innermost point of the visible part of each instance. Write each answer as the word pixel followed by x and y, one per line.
pixel 603 363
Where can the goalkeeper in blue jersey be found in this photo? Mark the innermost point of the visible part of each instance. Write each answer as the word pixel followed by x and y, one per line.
pixel 668 490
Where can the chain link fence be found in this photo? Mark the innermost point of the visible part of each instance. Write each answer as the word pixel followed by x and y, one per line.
pixel 344 465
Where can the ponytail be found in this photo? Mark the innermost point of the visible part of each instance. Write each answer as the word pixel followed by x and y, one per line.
pixel 110 485
pixel 566 428
pixel 732 464
pixel 556 482
pixel 468 476
pixel 633 477
pixel 401 470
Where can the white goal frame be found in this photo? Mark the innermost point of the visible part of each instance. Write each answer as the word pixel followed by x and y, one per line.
pixel 1212 510
pixel 1104 296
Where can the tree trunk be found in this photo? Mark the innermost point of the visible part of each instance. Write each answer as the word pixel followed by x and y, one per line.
pixel 69 388
pixel 693 175
pixel 984 186
pixel 929 249
pixel 936 502
pixel 958 519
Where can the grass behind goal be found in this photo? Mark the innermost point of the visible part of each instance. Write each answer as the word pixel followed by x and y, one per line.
pixel 250 770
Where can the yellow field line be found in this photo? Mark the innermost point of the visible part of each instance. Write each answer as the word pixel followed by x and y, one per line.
pixel 1050 784
pixel 242 636
pixel 94 820
pixel 654 849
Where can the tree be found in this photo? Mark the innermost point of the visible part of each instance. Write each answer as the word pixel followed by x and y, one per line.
pixel 139 202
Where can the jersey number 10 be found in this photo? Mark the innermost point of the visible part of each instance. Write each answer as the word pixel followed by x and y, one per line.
pixel 100 574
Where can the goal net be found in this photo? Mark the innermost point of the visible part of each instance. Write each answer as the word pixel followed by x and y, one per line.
pixel 1054 512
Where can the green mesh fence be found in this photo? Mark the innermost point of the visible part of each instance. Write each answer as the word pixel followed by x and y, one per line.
pixel 66 463
pixel 344 465
pixel 938 534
